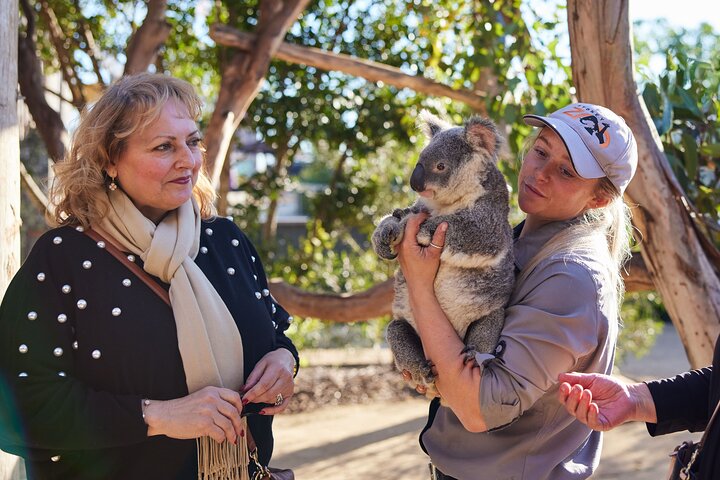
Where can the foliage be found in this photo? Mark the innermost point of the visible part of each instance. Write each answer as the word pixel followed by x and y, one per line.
pixel 362 137
pixel 683 103
pixel 643 315
pixel 679 74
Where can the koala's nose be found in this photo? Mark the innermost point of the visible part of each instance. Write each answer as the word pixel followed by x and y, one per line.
pixel 417 179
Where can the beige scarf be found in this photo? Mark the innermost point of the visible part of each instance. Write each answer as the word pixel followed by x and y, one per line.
pixel 209 341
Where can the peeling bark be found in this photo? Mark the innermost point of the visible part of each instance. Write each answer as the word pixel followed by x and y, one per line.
pixel 683 272
pixel 9 145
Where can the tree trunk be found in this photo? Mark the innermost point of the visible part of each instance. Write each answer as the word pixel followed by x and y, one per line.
pixel 32 87
pixel 144 44
pixel 67 64
pixel 11 467
pixel 242 77
pixel 9 145
pixel 367 69
pixel 283 157
pixel 602 67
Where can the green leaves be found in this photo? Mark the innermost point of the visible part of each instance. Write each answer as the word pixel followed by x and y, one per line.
pixel 683 103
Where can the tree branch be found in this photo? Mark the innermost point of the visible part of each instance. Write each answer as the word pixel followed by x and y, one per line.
pixel 148 39
pixel 367 69
pixel 38 198
pixel 32 86
pixel 242 78
pixel 90 48
pixel 602 67
pixel 67 65
pixel 377 301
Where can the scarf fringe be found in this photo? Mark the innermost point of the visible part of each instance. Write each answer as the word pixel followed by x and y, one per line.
pixel 223 461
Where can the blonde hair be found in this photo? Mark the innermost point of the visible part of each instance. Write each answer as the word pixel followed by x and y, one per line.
pixel 603 232
pixel 77 194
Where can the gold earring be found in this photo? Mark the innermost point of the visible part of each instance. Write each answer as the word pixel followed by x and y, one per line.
pixel 113 186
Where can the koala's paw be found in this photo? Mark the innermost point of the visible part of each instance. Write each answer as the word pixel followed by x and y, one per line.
pixel 422 378
pixel 401 213
pixel 424 237
pixel 469 354
pixel 419 208
pixel 386 237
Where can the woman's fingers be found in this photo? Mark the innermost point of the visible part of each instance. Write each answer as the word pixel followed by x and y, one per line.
pixel 438 238
pixel 216 433
pixel 232 414
pixel 583 406
pixel 226 426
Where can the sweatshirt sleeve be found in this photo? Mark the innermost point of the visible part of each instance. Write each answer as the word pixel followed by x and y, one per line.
pixel 280 317
pixel 550 330
pixel 44 404
pixel 681 402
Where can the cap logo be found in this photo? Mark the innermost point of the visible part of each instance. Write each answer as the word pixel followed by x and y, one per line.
pixel 591 124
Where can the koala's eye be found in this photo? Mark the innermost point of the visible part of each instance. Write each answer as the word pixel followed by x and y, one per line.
pixel 440 167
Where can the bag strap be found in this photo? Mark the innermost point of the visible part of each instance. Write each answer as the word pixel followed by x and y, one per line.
pixel 133 267
pixel 709 424
pixel 695 454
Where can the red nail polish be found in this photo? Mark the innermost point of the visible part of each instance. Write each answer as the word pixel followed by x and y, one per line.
pixel 242 433
pixel 262 412
pixel 245 401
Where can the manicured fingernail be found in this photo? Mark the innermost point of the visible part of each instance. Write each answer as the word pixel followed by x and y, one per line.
pixel 245 401
pixel 262 412
pixel 242 433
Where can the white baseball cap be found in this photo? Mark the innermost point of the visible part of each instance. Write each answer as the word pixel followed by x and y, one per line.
pixel 599 142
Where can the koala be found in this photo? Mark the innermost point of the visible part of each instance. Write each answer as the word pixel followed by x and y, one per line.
pixel 458 182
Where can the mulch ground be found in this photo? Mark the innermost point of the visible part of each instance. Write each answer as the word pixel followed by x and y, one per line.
pixel 321 386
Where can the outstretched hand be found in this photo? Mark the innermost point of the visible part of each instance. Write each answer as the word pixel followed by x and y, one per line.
pixel 603 402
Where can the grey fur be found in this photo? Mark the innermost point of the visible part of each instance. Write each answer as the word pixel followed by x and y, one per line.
pixel 476 273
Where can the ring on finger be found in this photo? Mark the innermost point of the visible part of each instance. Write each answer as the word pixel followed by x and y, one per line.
pixel 279 399
pixel 436 246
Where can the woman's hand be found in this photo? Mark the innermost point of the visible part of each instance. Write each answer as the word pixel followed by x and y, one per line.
pixel 272 376
pixel 420 264
pixel 211 411
pixel 603 402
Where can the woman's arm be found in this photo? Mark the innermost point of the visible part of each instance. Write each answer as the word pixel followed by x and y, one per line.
pixel 456 381
pixel 603 402
pixel 46 402
pixel 276 370
pixel 546 332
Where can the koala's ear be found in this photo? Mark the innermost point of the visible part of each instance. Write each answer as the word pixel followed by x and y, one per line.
pixel 482 134
pixel 432 125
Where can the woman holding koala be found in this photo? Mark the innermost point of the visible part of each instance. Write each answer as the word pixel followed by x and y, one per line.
pixel 500 417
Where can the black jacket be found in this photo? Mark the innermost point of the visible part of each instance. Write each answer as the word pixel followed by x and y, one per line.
pixel 686 402
pixel 82 341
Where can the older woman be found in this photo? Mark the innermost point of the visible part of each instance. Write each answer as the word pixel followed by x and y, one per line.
pixel 143 322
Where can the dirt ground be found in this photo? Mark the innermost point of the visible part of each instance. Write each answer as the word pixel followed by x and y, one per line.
pixel 340 431
pixel 352 418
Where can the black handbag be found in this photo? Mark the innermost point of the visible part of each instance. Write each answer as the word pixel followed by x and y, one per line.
pixel 683 459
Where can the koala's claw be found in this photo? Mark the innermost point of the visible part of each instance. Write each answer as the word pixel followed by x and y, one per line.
pixel 468 354
pixel 400 213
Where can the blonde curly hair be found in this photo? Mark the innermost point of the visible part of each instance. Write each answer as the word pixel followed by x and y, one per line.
pixel 77 194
